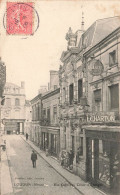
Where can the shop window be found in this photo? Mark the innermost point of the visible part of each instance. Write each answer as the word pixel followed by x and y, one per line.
pixel 8 101
pixel 55 114
pixel 71 93
pixel 114 97
pixel 79 151
pixel 97 99
pixel 17 102
pixel 112 58
pixel 104 162
pixel 80 89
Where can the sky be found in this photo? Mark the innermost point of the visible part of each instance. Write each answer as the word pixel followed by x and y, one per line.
pixel 30 58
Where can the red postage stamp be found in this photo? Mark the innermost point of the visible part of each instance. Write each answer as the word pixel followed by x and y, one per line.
pixel 19 18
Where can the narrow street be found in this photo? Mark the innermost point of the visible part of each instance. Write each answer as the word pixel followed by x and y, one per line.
pixel 42 180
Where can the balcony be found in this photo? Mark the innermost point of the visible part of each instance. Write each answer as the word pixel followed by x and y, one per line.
pixel 46 122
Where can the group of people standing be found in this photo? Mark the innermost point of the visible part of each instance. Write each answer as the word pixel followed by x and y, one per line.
pixel 67 159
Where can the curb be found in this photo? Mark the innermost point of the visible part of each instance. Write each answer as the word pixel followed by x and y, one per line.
pixel 54 168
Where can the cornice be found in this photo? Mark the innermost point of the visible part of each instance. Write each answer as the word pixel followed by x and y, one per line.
pixel 51 93
pixel 105 78
pixel 102 42
pixel 38 97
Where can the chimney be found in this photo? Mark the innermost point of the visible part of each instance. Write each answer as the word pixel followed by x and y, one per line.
pixel 22 84
pixel 54 78
pixel 82 23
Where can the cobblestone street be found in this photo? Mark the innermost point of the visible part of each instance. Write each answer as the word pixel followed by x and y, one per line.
pixel 43 179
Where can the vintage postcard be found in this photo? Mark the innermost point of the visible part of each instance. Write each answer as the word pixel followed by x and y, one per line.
pixel 59 97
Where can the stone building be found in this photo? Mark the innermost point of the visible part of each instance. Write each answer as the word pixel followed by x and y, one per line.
pixel 35 134
pixel 89 102
pixel 50 129
pixel 45 112
pixel 28 117
pixel 13 111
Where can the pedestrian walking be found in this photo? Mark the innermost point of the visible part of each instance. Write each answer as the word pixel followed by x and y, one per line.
pixel 34 158
pixel 26 136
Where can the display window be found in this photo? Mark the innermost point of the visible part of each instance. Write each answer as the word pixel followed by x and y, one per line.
pixel 104 162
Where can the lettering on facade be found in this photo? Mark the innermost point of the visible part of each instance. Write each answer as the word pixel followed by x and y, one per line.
pixel 100 118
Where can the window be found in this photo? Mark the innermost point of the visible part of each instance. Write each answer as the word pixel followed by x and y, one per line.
pixel 8 101
pixel 114 96
pixel 112 58
pixel 44 113
pixel 79 151
pixel 55 114
pixel 17 102
pixel 97 99
pixel 64 95
pixel 48 115
pixel 104 161
pixel 71 94
pixel 80 89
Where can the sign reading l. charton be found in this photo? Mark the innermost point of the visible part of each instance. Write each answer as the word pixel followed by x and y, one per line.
pixel 101 117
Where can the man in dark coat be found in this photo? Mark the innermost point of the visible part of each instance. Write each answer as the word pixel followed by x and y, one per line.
pixel 34 158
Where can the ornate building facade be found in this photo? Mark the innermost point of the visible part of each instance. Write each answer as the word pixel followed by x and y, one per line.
pixel 89 102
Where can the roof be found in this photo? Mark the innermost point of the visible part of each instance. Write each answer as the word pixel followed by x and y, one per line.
pixel 11 85
pixel 99 30
pixel 27 103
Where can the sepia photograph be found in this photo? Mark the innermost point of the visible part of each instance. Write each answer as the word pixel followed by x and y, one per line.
pixel 59 97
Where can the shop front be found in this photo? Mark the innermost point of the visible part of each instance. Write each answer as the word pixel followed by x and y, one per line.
pixel 103 158
pixel 51 140
pixel 13 126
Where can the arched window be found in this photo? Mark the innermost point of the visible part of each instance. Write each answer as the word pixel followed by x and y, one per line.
pixel 17 102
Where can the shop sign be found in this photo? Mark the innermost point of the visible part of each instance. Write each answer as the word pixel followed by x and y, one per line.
pixel 102 117
pixel 96 67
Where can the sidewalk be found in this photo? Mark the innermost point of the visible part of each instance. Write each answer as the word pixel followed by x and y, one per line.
pixel 83 187
pixel 5 179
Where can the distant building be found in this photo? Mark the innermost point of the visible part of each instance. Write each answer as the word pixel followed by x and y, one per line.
pixel 42 89
pixel 13 111
pixel 28 117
